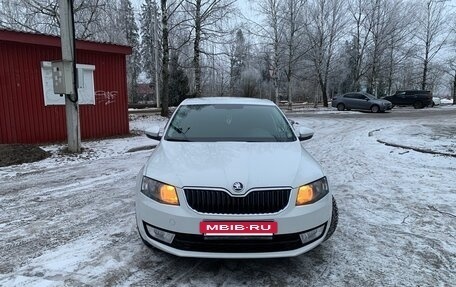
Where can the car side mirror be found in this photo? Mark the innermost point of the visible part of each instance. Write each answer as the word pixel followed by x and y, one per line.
pixel 154 133
pixel 305 133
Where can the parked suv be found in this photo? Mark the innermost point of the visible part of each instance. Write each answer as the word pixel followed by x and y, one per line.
pixel 416 98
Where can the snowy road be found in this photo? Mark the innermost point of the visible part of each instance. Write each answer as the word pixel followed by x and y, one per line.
pixel 74 224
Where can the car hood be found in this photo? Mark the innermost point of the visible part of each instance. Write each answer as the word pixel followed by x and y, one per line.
pixel 220 164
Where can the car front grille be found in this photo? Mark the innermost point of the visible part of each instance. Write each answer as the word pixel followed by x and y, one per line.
pixel 220 202
pixel 200 243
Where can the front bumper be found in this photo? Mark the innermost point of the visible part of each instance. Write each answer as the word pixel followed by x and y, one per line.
pixel 188 242
pixel 386 107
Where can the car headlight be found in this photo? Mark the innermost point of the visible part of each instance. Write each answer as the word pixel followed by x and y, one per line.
pixel 158 191
pixel 312 192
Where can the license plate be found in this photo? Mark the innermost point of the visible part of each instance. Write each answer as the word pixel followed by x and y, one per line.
pixel 238 228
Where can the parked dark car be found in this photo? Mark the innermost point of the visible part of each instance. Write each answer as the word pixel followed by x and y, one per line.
pixel 361 101
pixel 416 98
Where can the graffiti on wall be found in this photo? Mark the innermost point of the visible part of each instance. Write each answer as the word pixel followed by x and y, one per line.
pixel 106 97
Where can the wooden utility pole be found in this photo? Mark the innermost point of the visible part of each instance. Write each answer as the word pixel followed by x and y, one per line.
pixel 68 54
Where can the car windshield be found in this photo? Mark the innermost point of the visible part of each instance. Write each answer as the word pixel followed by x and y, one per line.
pixel 370 96
pixel 228 122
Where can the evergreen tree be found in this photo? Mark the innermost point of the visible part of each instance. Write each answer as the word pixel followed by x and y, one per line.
pixel 131 32
pixel 178 82
pixel 148 12
pixel 237 62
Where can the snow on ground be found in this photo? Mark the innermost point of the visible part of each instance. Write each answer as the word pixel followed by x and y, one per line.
pixel 71 221
pixel 93 149
pixel 140 123
pixel 436 138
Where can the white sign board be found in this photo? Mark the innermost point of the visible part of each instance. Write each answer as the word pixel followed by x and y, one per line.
pixel 86 90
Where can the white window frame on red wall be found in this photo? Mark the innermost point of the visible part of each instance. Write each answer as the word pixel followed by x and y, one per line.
pixel 86 90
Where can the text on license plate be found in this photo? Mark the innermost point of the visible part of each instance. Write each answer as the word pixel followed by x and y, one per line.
pixel 238 228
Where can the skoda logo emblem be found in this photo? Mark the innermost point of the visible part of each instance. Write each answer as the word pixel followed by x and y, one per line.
pixel 238 187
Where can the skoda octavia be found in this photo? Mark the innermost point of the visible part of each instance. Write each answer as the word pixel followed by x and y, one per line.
pixel 231 179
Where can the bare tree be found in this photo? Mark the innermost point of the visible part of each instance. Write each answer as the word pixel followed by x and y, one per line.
pixel 294 38
pixel 451 64
pixel 325 28
pixel 432 32
pixel 452 61
pixel 165 59
pixel 207 19
pixel 108 25
pixel 380 30
pixel 388 24
pixel 453 72
pixel 359 12
pixel 272 31
pixel 400 45
pixel 42 16
pixel 168 9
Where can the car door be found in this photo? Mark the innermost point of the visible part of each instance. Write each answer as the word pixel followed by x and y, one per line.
pixel 349 101
pixel 362 102
pixel 358 101
pixel 401 98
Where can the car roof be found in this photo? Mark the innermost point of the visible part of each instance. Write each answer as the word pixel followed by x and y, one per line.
pixel 356 93
pixel 227 100
pixel 413 91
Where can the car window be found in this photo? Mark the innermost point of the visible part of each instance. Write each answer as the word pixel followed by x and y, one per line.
pixel 369 96
pixel 226 122
pixel 361 97
pixel 349 96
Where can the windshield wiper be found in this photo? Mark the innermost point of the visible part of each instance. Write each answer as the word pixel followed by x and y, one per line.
pixel 178 140
pixel 179 130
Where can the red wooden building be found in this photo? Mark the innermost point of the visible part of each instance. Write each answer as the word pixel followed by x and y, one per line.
pixel 31 113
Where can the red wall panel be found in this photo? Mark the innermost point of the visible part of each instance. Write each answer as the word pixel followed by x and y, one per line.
pixel 25 119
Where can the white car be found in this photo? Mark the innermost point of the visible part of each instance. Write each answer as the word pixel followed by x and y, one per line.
pixel 435 101
pixel 230 179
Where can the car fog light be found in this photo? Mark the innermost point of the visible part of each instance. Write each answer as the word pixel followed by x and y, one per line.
pixel 160 234
pixel 312 234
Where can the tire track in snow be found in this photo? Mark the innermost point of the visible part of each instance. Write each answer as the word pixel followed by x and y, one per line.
pixel 55 208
